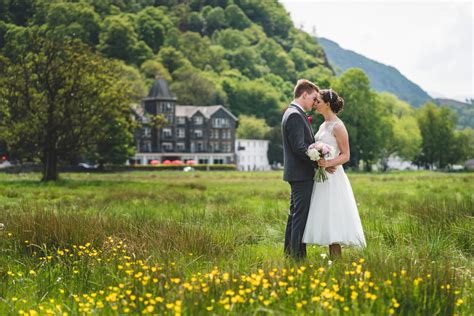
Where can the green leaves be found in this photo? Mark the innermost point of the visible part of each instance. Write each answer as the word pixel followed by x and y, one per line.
pixel 439 145
pixel 251 127
pixel 119 40
pixel 61 100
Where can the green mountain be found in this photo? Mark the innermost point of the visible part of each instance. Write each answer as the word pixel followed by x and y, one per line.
pixel 382 77
pixel 243 54
pixel 464 111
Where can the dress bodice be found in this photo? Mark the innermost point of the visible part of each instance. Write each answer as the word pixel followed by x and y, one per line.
pixel 325 134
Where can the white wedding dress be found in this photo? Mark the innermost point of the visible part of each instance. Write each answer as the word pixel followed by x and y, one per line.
pixel 333 216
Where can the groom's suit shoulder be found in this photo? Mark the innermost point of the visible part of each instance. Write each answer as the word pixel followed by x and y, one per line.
pixel 290 111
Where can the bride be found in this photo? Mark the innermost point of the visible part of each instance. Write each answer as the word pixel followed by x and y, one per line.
pixel 333 217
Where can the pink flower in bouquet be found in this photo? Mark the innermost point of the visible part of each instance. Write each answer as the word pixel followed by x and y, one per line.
pixel 323 148
pixel 315 152
pixel 326 149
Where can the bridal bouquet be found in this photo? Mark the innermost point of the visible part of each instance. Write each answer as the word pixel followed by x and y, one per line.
pixel 317 151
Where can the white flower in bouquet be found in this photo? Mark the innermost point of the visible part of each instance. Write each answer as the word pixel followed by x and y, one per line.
pixel 313 153
pixel 318 151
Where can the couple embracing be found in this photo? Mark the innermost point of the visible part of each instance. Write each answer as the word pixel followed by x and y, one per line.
pixel 322 212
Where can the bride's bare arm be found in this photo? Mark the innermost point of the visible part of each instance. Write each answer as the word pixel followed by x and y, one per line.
pixel 342 139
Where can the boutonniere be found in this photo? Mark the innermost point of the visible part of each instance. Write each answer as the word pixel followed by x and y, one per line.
pixel 310 119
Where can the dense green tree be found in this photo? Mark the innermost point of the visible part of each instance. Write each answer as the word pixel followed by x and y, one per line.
pixel 192 87
pixel 404 138
pixel 254 34
pixel 57 109
pixel 277 59
pixel 196 22
pixel 275 147
pixel 438 139
pixel 153 69
pixel 320 75
pixel 215 20
pixel 173 39
pixel 248 60
pixel 196 48
pixel 307 43
pixel 116 144
pixel 236 18
pixel 3 31
pixel 230 39
pixel 270 14
pixel 17 12
pixel 72 19
pixel 254 97
pixel 463 146
pixel 172 59
pixel 138 87
pixel 251 127
pixel 150 31
pixel 217 59
pixel 205 11
pixel 302 59
pixel 119 40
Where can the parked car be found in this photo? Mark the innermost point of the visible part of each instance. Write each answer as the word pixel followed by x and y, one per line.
pixel 86 166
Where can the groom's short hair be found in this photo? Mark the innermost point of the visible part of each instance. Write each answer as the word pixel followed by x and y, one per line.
pixel 304 85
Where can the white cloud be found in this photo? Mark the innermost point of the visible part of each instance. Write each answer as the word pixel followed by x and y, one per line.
pixel 430 42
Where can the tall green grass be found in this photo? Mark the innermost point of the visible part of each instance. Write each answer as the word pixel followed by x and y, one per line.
pixel 418 261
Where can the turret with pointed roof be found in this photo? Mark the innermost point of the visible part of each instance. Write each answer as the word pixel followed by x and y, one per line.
pixel 160 91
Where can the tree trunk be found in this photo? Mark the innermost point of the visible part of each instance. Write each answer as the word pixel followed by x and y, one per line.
pixel 50 165
pixel 368 166
pixel 355 161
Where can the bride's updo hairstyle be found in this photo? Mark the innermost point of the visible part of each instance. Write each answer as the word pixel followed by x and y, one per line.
pixel 335 102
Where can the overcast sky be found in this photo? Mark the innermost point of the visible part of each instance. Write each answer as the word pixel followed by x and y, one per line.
pixel 430 42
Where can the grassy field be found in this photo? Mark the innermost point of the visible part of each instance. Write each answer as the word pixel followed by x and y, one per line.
pixel 212 243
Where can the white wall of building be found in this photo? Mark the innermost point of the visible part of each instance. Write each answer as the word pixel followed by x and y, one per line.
pixel 251 154
pixel 396 163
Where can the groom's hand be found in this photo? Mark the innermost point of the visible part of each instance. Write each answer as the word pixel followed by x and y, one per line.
pixel 331 170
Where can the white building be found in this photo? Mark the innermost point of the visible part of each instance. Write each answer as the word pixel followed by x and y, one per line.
pixel 251 154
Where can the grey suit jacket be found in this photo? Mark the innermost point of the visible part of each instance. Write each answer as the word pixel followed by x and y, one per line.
pixel 297 135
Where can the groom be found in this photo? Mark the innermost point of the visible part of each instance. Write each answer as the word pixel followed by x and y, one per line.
pixel 297 135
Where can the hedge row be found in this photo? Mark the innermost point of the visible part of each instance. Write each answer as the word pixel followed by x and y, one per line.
pixel 205 167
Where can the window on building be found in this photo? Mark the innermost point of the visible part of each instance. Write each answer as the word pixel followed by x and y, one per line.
pixel 147 146
pixel 167 146
pixel 169 118
pixel 146 132
pixel 167 132
pixel 199 146
pixel 180 146
pixel 226 147
pixel 214 146
pixel 166 107
pixel 198 120
pixel 198 133
pixel 181 133
pixel 214 134
pixel 226 134
pixel 180 120
pixel 218 161
pixel 220 122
